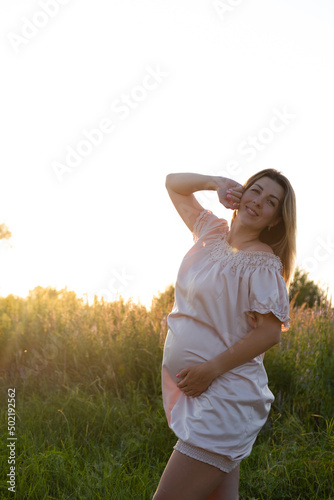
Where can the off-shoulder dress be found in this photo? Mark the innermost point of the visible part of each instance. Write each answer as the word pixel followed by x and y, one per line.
pixel 216 291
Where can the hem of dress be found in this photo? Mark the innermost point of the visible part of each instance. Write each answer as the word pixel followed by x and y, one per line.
pixel 284 318
pixel 221 462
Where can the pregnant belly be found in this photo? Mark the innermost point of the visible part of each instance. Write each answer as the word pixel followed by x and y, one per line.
pixel 190 345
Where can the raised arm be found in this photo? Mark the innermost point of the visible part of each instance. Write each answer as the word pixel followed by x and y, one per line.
pixel 181 186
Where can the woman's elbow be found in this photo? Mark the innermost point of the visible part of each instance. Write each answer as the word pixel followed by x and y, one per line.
pixel 278 338
pixel 169 180
pixel 271 326
pixel 276 335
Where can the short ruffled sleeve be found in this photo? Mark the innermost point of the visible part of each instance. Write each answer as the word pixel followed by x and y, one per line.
pixel 268 293
pixel 205 222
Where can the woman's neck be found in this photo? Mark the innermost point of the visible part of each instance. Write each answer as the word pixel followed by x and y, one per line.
pixel 242 237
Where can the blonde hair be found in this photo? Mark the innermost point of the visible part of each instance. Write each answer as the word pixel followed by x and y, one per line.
pixel 282 237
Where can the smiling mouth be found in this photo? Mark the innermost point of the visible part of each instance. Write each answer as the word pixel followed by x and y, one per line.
pixel 251 212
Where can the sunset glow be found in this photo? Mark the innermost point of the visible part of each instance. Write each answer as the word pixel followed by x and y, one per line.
pixel 91 126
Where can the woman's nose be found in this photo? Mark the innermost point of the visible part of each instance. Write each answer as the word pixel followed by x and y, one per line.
pixel 257 201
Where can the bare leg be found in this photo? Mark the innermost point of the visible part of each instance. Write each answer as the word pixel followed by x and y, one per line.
pixel 228 488
pixel 185 478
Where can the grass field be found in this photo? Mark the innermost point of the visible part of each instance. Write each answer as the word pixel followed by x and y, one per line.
pixel 88 415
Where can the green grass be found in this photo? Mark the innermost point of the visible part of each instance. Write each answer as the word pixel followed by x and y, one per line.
pixel 78 445
pixel 89 416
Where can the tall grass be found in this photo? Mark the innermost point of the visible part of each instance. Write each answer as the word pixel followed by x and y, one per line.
pixel 301 368
pixel 90 422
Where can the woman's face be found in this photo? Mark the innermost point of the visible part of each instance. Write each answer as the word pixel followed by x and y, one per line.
pixel 260 204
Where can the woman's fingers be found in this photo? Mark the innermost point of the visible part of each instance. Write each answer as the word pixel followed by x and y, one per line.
pixel 230 195
pixel 182 374
pixel 235 188
pixel 233 198
pixel 195 379
pixel 236 194
pixel 190 392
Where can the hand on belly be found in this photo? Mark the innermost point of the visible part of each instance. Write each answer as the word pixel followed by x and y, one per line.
pixel 195 379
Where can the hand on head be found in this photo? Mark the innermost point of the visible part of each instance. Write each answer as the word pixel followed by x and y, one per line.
pixel 230 194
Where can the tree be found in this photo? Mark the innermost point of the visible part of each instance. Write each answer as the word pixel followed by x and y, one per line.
pixel 5 234
pixel 305 291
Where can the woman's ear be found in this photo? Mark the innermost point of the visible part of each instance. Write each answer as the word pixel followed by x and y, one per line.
pixel 277 220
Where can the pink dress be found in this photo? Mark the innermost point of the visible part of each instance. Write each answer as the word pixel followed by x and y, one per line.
pixel 216 290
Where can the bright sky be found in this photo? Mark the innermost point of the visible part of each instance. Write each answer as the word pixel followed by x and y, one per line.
pixel 215 87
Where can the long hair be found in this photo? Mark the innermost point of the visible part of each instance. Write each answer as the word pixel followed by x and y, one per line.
pixel 282 237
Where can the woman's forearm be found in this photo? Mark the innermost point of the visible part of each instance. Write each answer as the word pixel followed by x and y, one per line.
pixel 253 344
pixel 188 183
pixel 195 379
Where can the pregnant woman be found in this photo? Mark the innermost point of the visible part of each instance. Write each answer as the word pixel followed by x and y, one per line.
pixel 231 302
